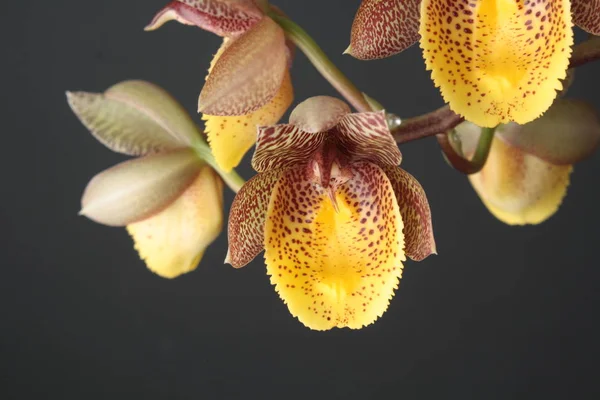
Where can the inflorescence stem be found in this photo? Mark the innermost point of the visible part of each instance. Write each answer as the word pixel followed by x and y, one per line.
pixel 231 178
pixel 322 63
pixel 460 163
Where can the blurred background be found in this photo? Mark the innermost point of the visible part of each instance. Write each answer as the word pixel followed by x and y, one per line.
pixel 501 312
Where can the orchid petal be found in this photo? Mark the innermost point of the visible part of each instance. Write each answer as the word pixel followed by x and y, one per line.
pixel 248 73
pixel 136 189
pixel 586 15
pixel 173 241
pixel 497 61
pixel 416 215
pixel 567 133
pixel 335 268
pixel 366 137
pixel 283 146
pixel 134 118
pixel 520 188
pixel 222 17
pixel 318 114
pixel 246 231
pixel 383 28
pixel 231 137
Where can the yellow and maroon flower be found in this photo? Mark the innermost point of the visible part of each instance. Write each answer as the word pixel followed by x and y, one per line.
pixel 248 82
pixel 495 61
pixel 333 212
pixel 169 199
pixel 527 172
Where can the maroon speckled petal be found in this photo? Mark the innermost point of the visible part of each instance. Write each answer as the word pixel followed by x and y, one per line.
pixel 414 208
pixel 284 146
pixel 586 15
pixel 335 258
pixel 222 17
pixel 248 74
pixel 383 28
pixel 318 114
pixel 247 218
pixel 366 137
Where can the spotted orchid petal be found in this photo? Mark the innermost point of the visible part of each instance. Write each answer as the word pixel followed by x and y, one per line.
pixel 173 241
pixel 383 28
pixel 318 114
pixel 295 143
pixel 497 61
pixel 134 118
pixel 335 268
pixel 231 137
pixel 246 230
pixel 366 137
pixel 136 189
pixel 285 146
pixel 222 17
pixel 586 15
pixel 416 215
pixel 248 73
pixel 567 133
pixel 519 188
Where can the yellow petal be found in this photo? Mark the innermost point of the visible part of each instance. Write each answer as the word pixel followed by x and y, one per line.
pixel 497 61
pixel 231 137
pixel 335 268
pixel 173 241
pixel 519 188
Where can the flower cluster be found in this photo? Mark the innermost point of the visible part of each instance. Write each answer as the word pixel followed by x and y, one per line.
pixel 330 206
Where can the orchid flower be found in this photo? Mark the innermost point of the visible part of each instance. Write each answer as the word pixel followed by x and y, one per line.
pixel 495 61
pixel 527 172
pixel 248 82
pixel 334 213
pixel 169 199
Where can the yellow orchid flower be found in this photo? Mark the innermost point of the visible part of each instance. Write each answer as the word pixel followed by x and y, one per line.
pixel 334 213
pixel 248 82
pixel 527 172
pixel 495 61
pixel 169 199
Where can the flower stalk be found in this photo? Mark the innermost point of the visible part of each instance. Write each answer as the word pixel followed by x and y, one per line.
pixel 232 179
pixel 458 161
pixel 322 63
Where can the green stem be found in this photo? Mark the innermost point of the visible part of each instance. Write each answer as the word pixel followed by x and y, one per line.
pixel 231 178
pixel 322 63
pixel 480 156
pixel 483 147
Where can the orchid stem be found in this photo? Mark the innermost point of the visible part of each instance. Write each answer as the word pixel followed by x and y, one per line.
pixel 231 178
pixel 439 121
pixel 322 63
pixel 458 161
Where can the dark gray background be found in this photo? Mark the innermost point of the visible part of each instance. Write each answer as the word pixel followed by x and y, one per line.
pixel 501 313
